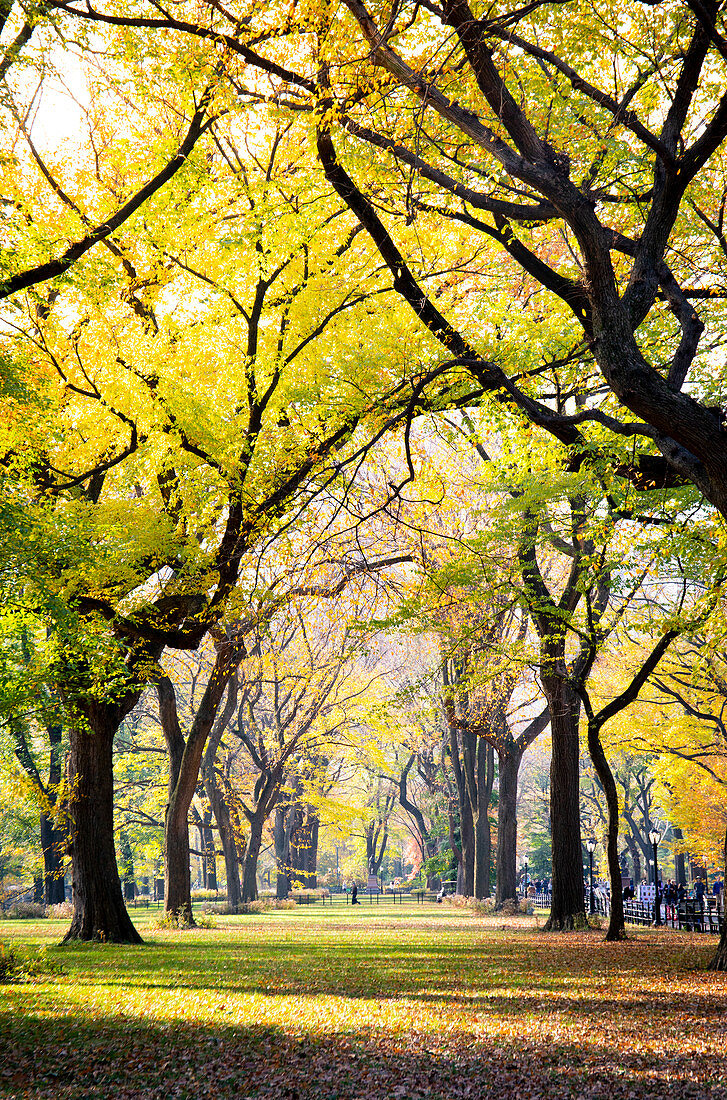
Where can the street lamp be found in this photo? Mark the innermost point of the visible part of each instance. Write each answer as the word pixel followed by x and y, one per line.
pixel 591 846
pixel 655 837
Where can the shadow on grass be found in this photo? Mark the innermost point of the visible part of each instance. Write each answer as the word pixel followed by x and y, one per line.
pixel 68 1059
pixel 429 972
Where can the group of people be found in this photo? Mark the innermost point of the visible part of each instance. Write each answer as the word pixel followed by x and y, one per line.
pixel 673 894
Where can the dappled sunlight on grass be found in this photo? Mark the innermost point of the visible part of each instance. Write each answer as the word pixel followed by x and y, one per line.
pixel 316 1003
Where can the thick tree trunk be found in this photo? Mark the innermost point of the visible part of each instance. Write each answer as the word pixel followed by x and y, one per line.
pixel 466 854
pixel 506 884
pixel 483 837
pixel 311 878
pixel 177 885
pixel 99 912
pixel 283 825
pixel 616 929
pixel 185 761
pixel 467 835
pixel 298 846
pixel 252 852
pixel 52 837
pixel 210 855
pixel 377 837
pixel 568 901
pixel 51 841
pixel 218 801
pixel 226 829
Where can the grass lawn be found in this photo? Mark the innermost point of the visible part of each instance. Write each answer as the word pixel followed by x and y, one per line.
pixel 380 1003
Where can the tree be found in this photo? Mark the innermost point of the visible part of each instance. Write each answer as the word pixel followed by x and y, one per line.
pixel 587 178
pixel 297 691
pixel 34 722
pixel 208 480
pixel 688 728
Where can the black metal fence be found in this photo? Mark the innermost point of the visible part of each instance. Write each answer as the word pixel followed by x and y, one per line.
pixel 689 915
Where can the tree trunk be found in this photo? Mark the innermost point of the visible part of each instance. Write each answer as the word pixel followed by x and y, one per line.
pixel 635 857
pixel 467 834
pixel 127 866
pixel 616 929
pixel 298 845
pixel 219 803
pixel 51 841
pixel 99 912
pixel 252 851
pixel 177 885
pixel 226 829
pixel 680 869
pixel 506 884
pixel 53 837
pixel 283 825
pixel 185 762
pixel 427 846
pixel 483 838
pixel 568 901
pixel 466 855
pixel 312 853
pixel 210 855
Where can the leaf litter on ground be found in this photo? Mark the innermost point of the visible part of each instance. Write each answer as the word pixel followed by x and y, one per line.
pixel 425 1005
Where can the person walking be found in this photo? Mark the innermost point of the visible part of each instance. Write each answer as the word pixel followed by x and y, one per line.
pixel 354 894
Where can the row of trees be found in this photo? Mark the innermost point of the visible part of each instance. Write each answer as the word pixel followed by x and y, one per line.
pixel 313 227
pixel 466 710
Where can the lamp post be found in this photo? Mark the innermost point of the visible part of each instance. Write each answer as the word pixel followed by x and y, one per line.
pixel 525 880
pixel 655 837
pixel 591 846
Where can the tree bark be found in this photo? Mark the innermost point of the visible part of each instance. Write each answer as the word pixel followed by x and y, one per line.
pixel 506 884
pixel 616 929
pixel 219 802
pixel 467 836
pixel 680 869
pixel 568 900
pixel 99 912
pixel 298 845
pixel 426 846
pixel 51 841
pixel 466 855
pixel 177 884
pixel 210 854
pixel 52 837
pixel 283 826
pixel 185 761
pixel 252 852
pixel 483 837
pixel 228 840
pixel 128 881
pixel 312 853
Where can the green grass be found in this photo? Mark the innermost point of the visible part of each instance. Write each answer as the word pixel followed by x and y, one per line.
pixel 380 1002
